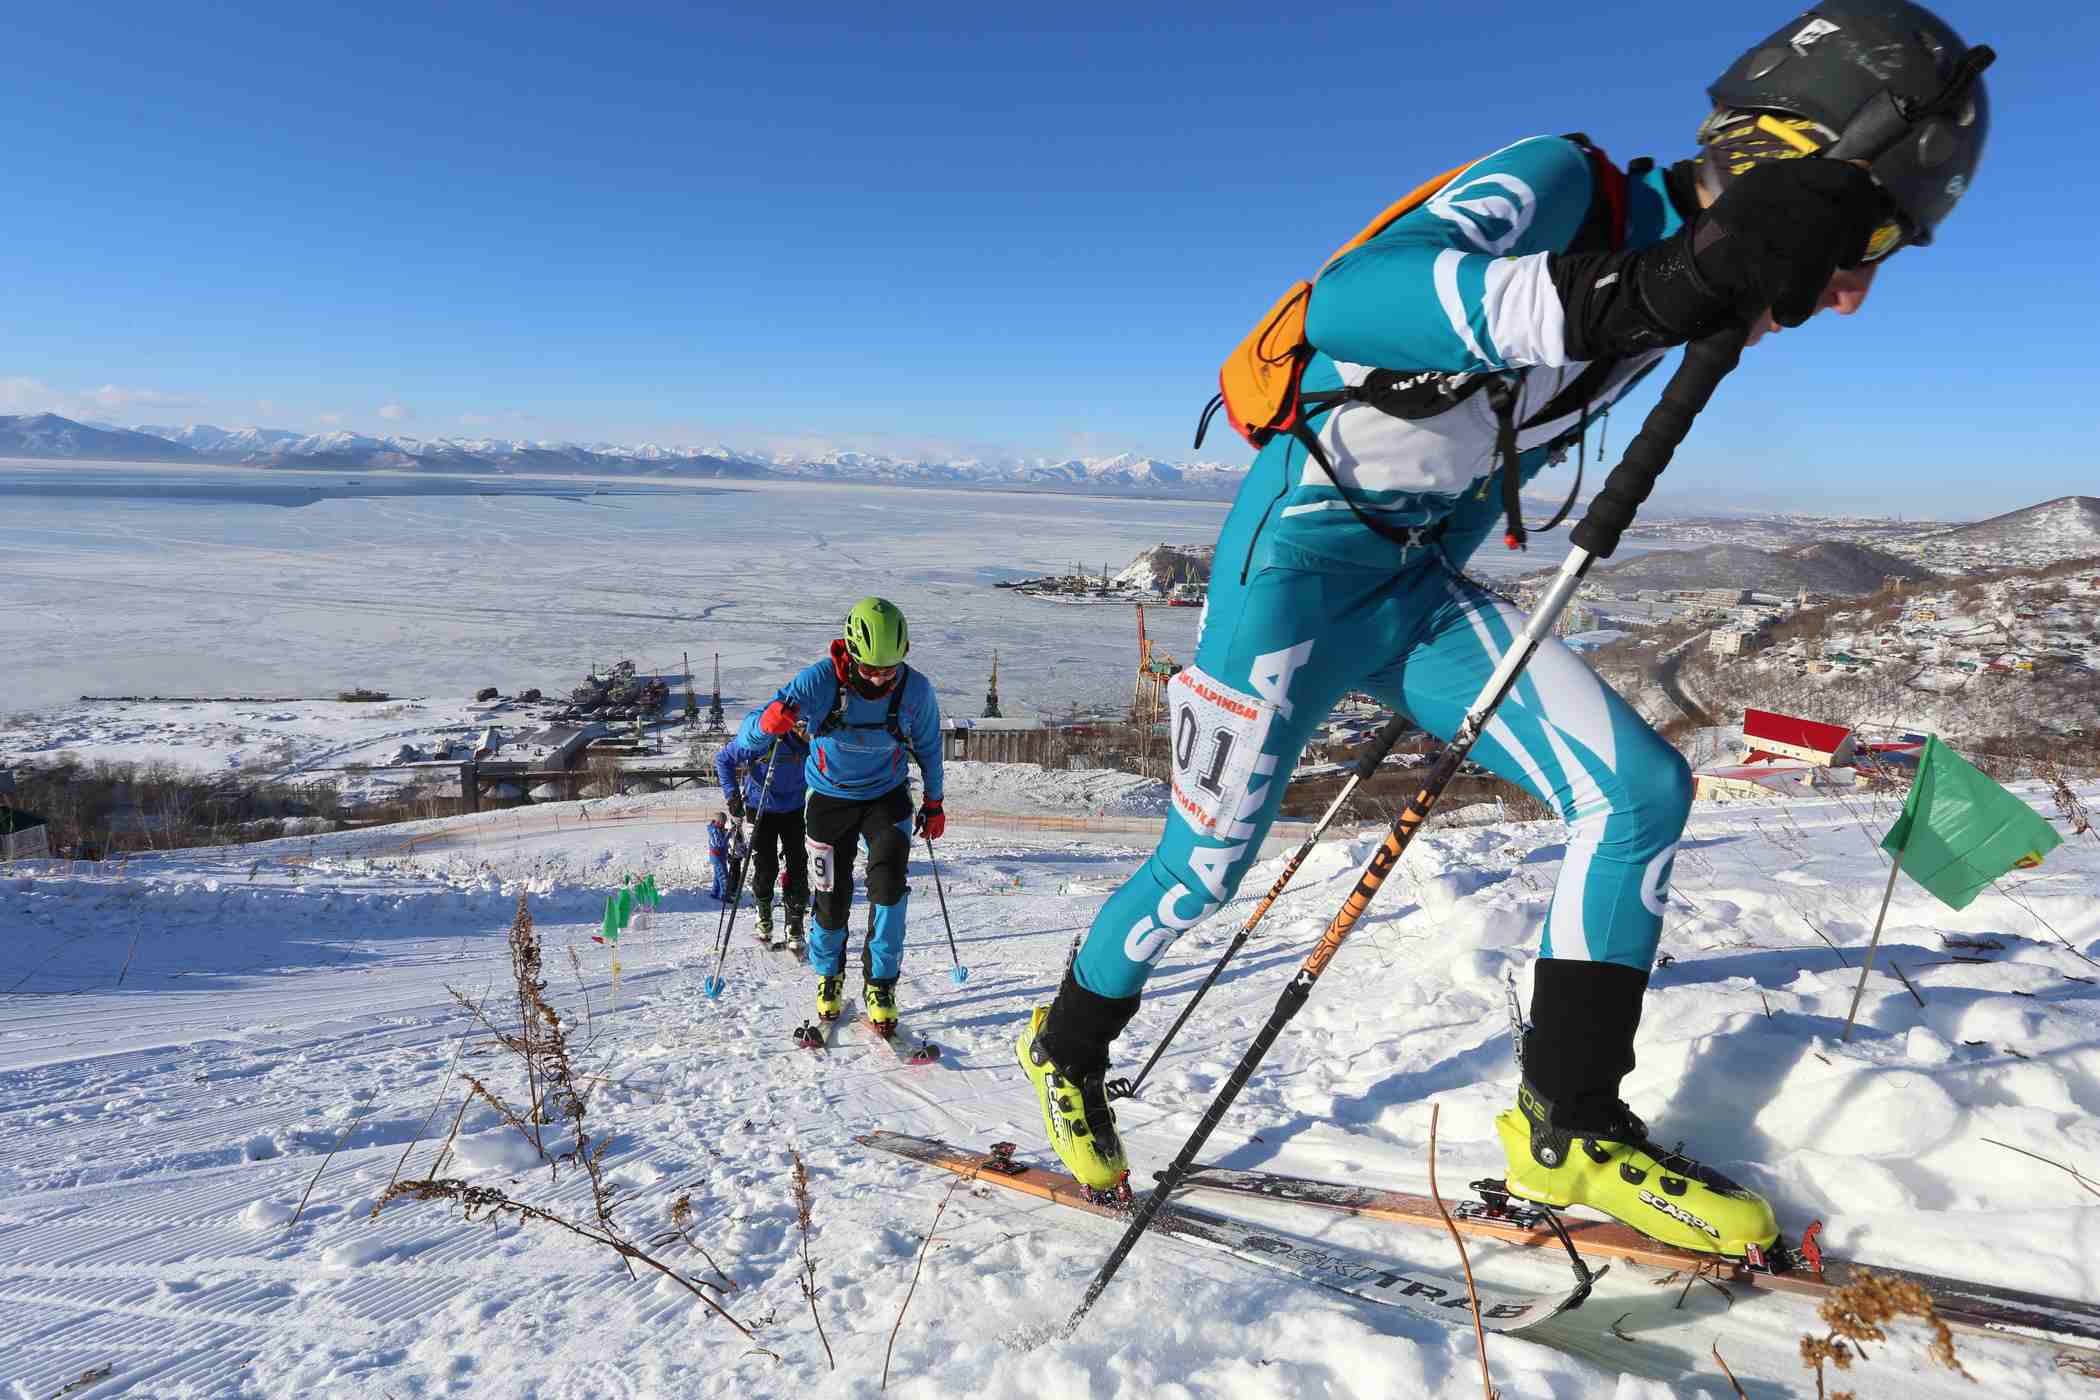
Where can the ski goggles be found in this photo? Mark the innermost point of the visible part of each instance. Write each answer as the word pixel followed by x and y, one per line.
pixel 877 676
pixel 1738 140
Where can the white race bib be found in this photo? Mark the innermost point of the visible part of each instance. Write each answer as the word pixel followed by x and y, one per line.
pixel 1216 734
pixel 820 858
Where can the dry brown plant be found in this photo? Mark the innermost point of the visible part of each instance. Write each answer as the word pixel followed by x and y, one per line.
pixel 542 1042
pixel 924 1245
pixel 808 1275
pixel 682 1229
pixel 1487 1385
pixel 1856 1313
pixel 478 1203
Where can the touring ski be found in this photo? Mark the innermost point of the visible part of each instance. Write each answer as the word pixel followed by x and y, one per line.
pixel 1802 1268
pixel 911 1049
pixel 1373 1278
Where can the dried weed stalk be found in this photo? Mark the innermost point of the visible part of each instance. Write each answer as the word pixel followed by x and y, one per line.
pixel 1856 1313
pixel 556 1098
pixel 682 1229
pixel 489 1203
pixel 1732 1381
pixel 808 1276
pixel 924 1245
pixel 1487 1385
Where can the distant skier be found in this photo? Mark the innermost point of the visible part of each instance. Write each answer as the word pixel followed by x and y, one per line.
pixel 718 852
pixel 770 795
pixel 1446 359
pixel 867 711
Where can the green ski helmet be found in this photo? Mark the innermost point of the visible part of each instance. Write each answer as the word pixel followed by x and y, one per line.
pixel 876 634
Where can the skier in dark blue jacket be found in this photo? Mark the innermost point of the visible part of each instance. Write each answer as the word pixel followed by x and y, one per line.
pixel 867 713
pixel 718 853
pixel 770 796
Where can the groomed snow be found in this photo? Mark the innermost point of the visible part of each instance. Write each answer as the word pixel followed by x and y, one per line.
pixel 185 1037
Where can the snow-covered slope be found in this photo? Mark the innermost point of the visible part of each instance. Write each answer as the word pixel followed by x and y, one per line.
pixel 2065 528
pixel 186 1040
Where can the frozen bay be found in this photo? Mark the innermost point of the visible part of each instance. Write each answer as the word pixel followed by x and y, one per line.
pixel 128 579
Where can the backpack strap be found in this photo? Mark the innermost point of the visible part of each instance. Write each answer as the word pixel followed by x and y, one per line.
pixel 1603 228
pixel 891 721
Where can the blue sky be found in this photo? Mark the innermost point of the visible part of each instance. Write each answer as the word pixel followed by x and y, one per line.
pixel 929 228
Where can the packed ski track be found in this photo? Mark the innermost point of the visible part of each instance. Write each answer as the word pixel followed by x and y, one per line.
pixel 185 1038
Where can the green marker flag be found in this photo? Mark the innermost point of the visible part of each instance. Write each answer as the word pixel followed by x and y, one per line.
pixel 612 921
pixel 1960 831
pixel 624 903
pixel 648 891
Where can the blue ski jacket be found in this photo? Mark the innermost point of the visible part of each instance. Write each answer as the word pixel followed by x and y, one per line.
pixel 749 750
pixel 854 753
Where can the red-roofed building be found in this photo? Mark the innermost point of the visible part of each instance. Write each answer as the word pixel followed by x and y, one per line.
pixel 1773 736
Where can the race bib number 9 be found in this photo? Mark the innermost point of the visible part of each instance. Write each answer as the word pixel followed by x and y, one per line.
pixel 1217 735
pixel 820 866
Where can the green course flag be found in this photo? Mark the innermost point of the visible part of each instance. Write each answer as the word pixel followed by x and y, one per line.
pixel 648 891
pixel 612 921
pixel 1959 830
pixel 624 903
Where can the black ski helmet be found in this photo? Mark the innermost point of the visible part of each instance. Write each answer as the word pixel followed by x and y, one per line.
pixel 1840 55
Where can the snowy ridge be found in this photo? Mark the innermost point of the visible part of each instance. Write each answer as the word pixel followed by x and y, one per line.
pixel 50 436
pixel 162 1139
pixel 2065 528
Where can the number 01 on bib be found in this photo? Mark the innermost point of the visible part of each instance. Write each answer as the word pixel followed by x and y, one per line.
pixel 1217 734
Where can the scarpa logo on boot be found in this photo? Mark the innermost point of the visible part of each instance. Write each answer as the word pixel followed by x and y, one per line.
pixel 1677 1212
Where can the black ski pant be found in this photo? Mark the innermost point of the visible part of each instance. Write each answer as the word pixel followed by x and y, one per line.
pixel 777 841
pixel 836 828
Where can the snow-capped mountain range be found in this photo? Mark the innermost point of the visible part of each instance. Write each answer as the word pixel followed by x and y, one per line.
pixel 47 435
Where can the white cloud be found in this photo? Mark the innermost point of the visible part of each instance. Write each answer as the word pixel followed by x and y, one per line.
pixel 330 420
pixel 393 412
pixel 23 393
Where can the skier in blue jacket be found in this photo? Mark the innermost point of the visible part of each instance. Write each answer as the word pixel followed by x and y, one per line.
pixel 718 855
pixel 770 795
pixel 1476 337
pixel 866 712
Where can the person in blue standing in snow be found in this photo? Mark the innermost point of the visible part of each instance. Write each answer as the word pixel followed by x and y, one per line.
pixel 718 852
pixel 771 796
pixel 867 714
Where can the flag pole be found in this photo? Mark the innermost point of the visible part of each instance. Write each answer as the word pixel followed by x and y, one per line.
pixel 1868 964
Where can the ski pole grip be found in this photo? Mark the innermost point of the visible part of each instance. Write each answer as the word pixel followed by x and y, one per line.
pixel 1707 361
pixel 1380 746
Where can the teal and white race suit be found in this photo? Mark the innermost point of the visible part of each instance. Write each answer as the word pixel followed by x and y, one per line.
pixel 1308 601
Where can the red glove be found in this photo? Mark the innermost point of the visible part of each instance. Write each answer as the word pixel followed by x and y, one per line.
pixel 932 821
pixel 779 718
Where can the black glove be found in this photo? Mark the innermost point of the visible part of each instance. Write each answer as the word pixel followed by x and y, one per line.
pixel 1777 233
pixel 736 804
pixel 1770 242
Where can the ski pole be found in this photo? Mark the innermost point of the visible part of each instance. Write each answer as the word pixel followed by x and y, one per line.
pixel 727 926
pixel 1366 766
pixel 960 974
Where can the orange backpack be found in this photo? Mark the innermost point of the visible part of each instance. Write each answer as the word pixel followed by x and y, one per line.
pixel 1259 386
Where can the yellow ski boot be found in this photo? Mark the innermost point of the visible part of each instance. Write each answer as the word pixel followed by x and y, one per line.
pixel 1076 1114
pixel 1614 1167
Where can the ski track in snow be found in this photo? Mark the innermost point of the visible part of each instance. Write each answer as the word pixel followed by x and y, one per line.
pixel 157 1132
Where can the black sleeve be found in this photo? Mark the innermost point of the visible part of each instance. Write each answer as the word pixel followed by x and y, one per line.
pixel 1632 301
